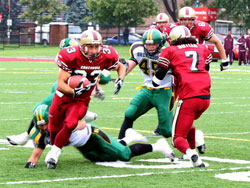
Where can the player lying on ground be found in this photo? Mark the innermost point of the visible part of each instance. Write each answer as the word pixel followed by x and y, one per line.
pixel 93 143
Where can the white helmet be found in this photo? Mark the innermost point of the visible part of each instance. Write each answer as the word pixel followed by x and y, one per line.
pixel 90 37
pixel 186 12
pixel 162 17
pixel 179 32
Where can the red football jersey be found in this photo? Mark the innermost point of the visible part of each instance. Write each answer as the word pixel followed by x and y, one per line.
pixel 201 30
pixel 73 61
pixel 155 27
pixel 188 65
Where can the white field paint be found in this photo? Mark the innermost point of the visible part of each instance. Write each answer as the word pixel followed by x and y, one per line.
pixel 162 163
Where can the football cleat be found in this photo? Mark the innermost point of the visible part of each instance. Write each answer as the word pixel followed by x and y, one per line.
pixel 90 116
pixel 183 158
pixel 132 136
pixel 162 146
pixel 202 149
pixel 52 157
pixel 200 142
pixel 30 165
pixel 194 158
pixel 51 163
pixel 157 131
pixel 19 139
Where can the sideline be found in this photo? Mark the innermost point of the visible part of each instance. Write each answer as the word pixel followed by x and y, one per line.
pixel 25 59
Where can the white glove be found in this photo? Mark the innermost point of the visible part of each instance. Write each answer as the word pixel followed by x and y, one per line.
pixel 118 85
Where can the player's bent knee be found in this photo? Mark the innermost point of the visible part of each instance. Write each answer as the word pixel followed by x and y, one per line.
pixel 166 133
pixel 131 112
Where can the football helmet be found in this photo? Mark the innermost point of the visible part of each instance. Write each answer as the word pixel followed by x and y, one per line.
pixel 90 38
pixel 187 16
pixel 162 17
pixel 179 32
pixel 105 77
pixel 151 37
pixel 40 115
pixel 67 42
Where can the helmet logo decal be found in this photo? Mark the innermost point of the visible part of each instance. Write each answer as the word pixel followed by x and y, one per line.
pixel 94 35
pixel 186 31
pixel 187 11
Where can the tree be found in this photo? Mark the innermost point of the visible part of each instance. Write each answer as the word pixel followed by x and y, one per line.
pixel 15 10
pixel 42 11
pixel 77 11
pixel 122 12
pixel 238 11
pixel 172 10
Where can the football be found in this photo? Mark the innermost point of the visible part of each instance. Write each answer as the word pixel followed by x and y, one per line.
pixel 74 81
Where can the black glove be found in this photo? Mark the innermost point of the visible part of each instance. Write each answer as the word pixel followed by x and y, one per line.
pixel 224 64
pixel 118 85
pixel 80 89
pixel 30 165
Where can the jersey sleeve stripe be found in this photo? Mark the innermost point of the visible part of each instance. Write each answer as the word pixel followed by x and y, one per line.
pixel 164 61
pixel 210 34
pixel 209 59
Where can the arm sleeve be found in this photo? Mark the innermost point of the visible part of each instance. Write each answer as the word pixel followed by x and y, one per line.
pixel 160 72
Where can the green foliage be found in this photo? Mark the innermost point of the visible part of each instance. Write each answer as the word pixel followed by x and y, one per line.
pixel 77 11
pixel 122 12
pixel 235 10
pixel 42 11
pixel 15 10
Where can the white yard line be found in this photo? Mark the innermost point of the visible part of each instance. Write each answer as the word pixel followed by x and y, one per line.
pixel 121 176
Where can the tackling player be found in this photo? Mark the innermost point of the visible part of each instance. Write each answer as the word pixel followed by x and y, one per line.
pixel 92 142
pixel 70 105
pixel 188 62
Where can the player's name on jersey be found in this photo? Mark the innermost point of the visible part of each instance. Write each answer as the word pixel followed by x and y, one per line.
pixel 90 67
pixel 140 54
pixel 187 45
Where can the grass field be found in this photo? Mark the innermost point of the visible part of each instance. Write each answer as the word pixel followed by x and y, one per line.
pixel 225 125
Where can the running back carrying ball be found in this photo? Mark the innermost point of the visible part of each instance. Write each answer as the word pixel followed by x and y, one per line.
pixel 75 80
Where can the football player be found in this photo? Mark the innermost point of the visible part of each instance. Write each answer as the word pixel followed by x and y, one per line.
pixel 188 61
pixel 92 142
pixel 161 22
pixel 24 137
pixel 145 55
pixel 70 105
pixel 201 31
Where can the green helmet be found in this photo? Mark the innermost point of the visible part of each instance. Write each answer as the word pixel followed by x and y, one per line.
pixel 105 77
pixel 153 36
pixel 68 42
pixel 40 115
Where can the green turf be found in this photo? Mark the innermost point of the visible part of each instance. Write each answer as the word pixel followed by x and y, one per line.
pixel 225 125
